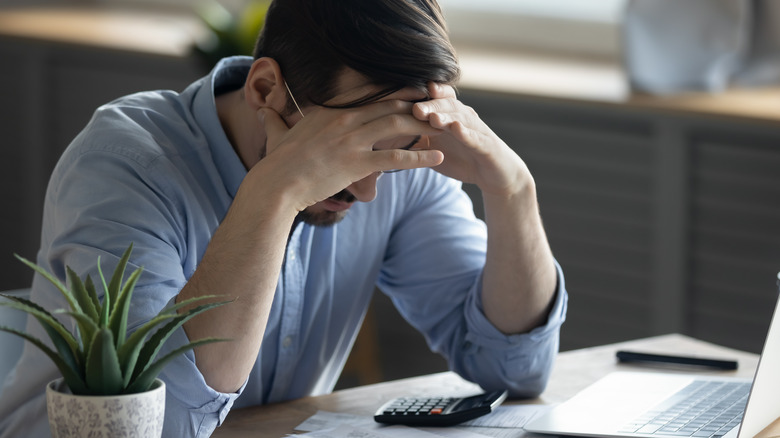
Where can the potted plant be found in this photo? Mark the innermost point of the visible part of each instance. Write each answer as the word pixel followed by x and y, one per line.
pixel 227 32
pixel 109 384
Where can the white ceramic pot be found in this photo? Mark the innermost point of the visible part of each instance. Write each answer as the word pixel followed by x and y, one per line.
pixel 126 416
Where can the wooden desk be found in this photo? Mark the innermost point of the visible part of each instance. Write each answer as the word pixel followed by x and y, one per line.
pixel 573 371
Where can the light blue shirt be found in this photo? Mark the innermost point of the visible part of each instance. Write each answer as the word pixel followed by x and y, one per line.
pixel 157 169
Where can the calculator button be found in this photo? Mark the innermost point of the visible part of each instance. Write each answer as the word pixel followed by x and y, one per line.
pixel 436 411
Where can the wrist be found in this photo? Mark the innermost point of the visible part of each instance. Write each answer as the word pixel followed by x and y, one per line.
pixel 518 206
pixel 522 188
pixel 260 202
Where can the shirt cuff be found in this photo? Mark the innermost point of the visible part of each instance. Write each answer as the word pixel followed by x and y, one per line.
pixel 482 333
pixel 193 408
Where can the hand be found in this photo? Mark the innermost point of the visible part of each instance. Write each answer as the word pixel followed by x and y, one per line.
pixel 330 149
pixel 473 153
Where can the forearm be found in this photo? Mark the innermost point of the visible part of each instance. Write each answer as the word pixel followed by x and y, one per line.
pixel 519 278
pixel 242 262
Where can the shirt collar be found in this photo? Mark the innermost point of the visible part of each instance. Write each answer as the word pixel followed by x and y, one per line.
pixel 228 73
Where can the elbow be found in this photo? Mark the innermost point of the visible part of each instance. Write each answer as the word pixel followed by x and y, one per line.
pixel 523 380
pixel 529 388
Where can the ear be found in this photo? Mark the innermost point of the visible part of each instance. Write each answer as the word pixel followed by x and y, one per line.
pixel 264 86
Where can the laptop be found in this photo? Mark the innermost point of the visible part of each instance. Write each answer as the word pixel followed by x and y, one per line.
pixel 660 405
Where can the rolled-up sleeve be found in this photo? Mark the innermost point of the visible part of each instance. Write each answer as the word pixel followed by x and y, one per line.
pixel 132 204
pixel 433 273
pixel 520 363
pixel 192 407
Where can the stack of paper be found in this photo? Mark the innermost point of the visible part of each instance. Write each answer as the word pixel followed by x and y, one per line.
pixel 504 422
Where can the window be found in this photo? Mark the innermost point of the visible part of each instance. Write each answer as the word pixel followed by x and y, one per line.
pixel 583 28
pixel 565 26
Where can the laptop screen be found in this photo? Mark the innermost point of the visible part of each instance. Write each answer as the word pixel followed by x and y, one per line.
pixel 762 406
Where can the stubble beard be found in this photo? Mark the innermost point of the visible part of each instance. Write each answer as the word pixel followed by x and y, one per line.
pixel 327 218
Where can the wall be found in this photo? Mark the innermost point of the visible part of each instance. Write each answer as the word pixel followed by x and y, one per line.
pixel 49 92
pixel 664 221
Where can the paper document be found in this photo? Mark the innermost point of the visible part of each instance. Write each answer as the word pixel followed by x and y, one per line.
pixel 333 425
pixel 504 422
pixel 348 431
pixel 329 420
pixel 508 416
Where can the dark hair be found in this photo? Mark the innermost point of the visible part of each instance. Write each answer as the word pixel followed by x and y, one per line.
pixel 394 43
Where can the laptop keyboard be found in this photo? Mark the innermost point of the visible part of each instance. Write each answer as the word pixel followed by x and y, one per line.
pixel 701 409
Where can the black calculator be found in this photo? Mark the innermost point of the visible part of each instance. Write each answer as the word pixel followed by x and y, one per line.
pixel 438 411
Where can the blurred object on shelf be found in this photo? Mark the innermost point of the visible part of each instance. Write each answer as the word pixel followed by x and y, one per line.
pixel 701 45
pixel 229 33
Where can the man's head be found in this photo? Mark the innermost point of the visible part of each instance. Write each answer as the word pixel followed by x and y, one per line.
pixel 349 53
pixel 394 43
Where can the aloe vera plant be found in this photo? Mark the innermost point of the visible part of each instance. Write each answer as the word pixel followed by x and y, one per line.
pixel 100 358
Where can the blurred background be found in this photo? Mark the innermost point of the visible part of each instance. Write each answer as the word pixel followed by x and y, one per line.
pixel 652 129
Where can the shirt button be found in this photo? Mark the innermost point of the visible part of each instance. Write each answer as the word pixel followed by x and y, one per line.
pixel 287 342
pixel 292 256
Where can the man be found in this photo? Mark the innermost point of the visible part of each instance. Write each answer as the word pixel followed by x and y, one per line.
pixel 271 181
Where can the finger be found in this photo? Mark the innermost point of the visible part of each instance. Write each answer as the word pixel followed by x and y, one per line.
pixel 424 110
pixel 391 127
pixel 367 113
pixel 422 144
pixel 401 159
pixel 441 91
pixel 455 127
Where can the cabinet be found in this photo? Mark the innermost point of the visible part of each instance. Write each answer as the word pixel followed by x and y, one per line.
pixel 663 221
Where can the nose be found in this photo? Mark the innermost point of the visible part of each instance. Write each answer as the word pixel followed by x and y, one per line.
pixel 365 189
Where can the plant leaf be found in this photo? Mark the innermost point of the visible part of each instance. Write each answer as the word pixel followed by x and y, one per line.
pixel 103 373
pixel 145 380
pixel 86 307
pixel 90 286
pixel 106 298
pixel 61 337
pixel 118 321
pixel 81 295
pixel 215 16
pixel 69 373
pixel 129 351
pixel 152 347
pixel 52 279
pixel 90 326
pixel 119 274
pixel 175 307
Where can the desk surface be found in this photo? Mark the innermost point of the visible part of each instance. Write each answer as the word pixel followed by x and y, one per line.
pixel 573 371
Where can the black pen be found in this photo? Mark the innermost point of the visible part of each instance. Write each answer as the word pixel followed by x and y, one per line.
pixel 633 356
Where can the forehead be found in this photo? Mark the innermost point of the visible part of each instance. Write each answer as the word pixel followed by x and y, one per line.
pixel 352 86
